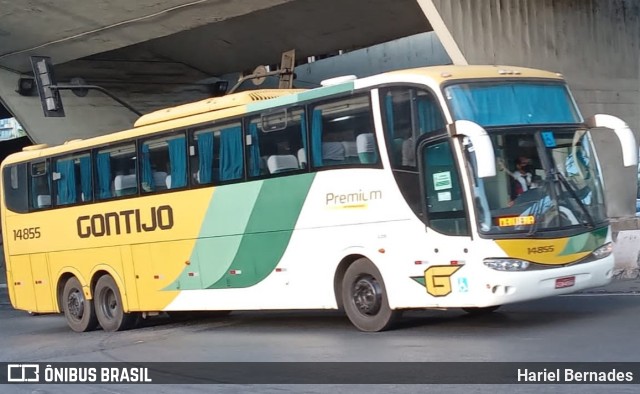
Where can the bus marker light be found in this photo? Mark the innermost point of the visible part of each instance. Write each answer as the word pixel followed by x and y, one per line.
pixel 418 262
pixel 192 274
pixel 156 276
pixel 457 262
pixel 281 269
pixel 235 272
pixel 17 283
pixel 38 282
pixel 381 250
pixel 187 262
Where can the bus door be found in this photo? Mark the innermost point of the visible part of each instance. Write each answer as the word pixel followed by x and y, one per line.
pixel 445 215
pixel 29 277
pixel 443 196
pixel 42 282
pixel 20 280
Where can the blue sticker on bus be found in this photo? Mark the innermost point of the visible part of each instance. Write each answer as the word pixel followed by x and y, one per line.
pixel 549 139
pixel 463 286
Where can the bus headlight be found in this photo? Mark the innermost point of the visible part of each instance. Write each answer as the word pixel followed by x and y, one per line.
pixel 603 251
pixel 506 264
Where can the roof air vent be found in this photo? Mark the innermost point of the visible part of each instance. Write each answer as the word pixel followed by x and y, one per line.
pixel 338 80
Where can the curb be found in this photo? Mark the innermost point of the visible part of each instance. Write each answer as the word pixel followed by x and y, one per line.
pixel 617 286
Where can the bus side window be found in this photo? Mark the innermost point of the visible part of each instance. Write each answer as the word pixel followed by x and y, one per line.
pixel 216 154
pixel 408 113
pixel 446 212
pixel 15 188
pixel 163 163
pixel 276 142
pixel 116 172
pixel 72 177
pixel 40 185
pixel 342 134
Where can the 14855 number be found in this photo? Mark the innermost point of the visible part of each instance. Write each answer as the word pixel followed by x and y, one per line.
pixel 26 233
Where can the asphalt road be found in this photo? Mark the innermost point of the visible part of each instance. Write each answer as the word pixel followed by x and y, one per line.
pixel 599 326
pixel 592 327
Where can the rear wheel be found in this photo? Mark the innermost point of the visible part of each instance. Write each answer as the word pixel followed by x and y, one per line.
pixel 79 312
pixel 109 308
pixel 364 297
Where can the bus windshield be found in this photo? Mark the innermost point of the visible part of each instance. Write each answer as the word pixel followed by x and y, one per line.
pixel 547 179
pixel 512 103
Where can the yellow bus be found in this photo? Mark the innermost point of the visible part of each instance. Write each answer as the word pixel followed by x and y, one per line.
pixel 442 187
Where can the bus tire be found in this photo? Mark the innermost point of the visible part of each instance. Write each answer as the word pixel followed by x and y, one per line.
pixel 475 311
pixel 108 305
pixel 78 311
pixel 365 299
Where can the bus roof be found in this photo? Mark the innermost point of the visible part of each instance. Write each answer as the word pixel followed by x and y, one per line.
pixel 212 104
pixel 437 73
pixel 240 103
pixel 440 74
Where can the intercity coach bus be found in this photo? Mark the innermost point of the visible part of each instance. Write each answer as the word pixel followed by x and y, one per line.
pixel 443 187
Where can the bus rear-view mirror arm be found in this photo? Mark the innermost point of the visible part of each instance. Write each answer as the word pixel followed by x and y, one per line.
pixel 485 156
pixel 624 133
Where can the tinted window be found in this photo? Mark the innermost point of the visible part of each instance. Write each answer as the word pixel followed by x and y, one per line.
pixel 276 142
pixel 163 163
pixel 216 154
pixel 72 177
pixel 116 172
pixel 342 133
pixel 15 191
pixel 443 190
pixel 40 185
pixel 408 114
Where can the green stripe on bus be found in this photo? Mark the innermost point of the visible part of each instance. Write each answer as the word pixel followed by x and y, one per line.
pixel 586 242
pixel 268 232
pixel 326 91
pixel 220 235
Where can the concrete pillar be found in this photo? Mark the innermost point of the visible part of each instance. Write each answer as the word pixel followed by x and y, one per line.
pixel 594 43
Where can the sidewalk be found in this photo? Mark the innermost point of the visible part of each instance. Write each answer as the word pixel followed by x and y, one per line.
pixel 618 286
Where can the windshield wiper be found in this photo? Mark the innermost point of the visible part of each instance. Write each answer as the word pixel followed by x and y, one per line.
pixel 574 195
pixel 539 208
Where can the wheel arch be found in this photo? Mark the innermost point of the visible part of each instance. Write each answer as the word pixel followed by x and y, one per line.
pixel 340 271
pixel 66 274
pixel 103 269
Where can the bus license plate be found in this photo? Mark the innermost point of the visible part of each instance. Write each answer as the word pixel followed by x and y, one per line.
pixel 568 281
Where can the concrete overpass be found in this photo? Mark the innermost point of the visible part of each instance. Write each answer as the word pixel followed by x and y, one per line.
pixel 157 54
pixel 153 54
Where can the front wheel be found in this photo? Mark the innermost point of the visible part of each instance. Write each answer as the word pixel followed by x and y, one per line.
pixel 79 312
pixel 109 308
pixel 365 299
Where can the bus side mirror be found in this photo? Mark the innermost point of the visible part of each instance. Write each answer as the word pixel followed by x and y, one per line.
pixel 624 133
pixel 485 156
